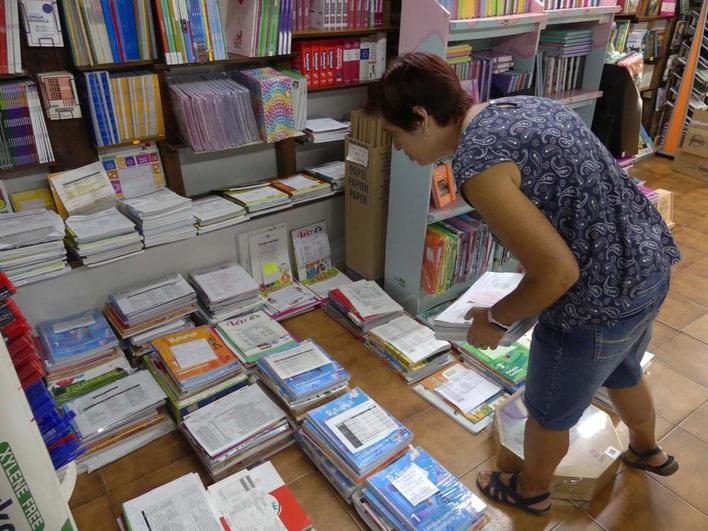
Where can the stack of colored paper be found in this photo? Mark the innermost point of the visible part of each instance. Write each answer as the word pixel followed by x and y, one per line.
pixel 214 212
pixel 259 199
pixel 362 306
pixel 225 291
pixel 285 300
pixel 320 130
pixel 31 246
pixel 162 216
pixel 237 431
pixel 253 336
pixel 409 348
pixel 103 237
pixel 417 492
pixel 332 172
pixel 303 377
pixel 303 187
pixel 352 437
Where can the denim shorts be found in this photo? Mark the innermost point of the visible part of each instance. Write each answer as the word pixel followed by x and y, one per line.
pixel 568 366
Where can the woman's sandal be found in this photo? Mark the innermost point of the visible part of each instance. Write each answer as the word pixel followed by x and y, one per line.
pixel 669 467
pixel 508 494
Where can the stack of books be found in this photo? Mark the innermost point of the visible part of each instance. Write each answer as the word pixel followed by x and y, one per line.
pixel 303 377
pixel 253 336
pixel 194 368
pixel 110 32
pixel 225 291
pixel 303 187
pixel 362 306
pixel 506 366
pixel 118 418
pixel 256 29
pixel 162 216
pixel 124 107
pixel 237 431
pixel 24 139
pixel 409 348
pixel 504 77
pixel 144 308
pixel 103 237
pixel 214 212
pixel 417 492
pixel 490 288
pixel 562 53
pixel 31 246
pixel 332 172
pixel 464 9
pixel 475 74
pixel 259 199
pixel 350 438
pixel 289 299
pixel 226 103
pixel 10 47
pixel 141 344
pixel 320 130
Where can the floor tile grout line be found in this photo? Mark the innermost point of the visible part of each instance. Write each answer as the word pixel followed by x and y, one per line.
pixel 665 364
pixel 650 476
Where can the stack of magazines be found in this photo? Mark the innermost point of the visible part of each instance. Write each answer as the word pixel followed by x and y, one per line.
pixel 332 172
pixel 409 348
pixel 103 237
pixel 259 198
pixel 237 431
pixel 214 212
pixel 162 216
pixel 302 187
pixel 288 300
pixel 362 306
pixel 350 438
pixel 303 377
pixel 253 336
pixel 194 368
pixel 225 291
pixel 417 492
pixel 141 344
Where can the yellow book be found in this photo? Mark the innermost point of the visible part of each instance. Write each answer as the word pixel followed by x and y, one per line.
pixel 158 106
pixel 207 33
pixel 125 96
pixel 119 108
pixel 61 210
pixel 33 200
pixel 136 99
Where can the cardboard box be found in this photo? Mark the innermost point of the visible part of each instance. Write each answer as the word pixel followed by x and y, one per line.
pixel 665 206
pixel 367 174
pixel 592 460
pixel 692 165
pixel 696 140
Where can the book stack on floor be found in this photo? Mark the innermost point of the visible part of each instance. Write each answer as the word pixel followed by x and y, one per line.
pixel 409 348
pixel 351 438
pixel 462 394
pixel 162 216
pixel 303 377
pixel 603 398
pixel 194 368
pixel 253 336
pixel 332 172
pixel 321 130
pixel 225 291
pixel 259 199
pixel 417 492
pixel 31 246
pixel 361 306
pixel 141 344
pixel 285 300
pixel 506 366
pixel 118 418
pixel 237 431
pixel 103 237
pixel 215 212
pixel 303 187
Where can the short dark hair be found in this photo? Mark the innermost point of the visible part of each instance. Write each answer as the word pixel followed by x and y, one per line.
pixel 422 79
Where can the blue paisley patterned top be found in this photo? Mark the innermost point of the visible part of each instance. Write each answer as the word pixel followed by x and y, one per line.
pixel 617 236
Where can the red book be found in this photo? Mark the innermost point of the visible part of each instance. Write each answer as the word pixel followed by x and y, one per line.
pixel 298 59
pixel 339 62
pixel 3 39
pixel 324 80
pixel 24 356
pixel 163 34
pixel 351 8
pixel 331 49
pixel 315 63
pixel 351 61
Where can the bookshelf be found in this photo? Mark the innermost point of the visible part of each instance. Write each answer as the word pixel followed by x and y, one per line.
pixel 426 26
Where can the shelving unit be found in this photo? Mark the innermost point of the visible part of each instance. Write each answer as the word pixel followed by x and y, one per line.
pixel 426 26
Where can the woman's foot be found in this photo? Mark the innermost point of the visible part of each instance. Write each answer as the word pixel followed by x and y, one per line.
pixel 653 460
pixel 506 488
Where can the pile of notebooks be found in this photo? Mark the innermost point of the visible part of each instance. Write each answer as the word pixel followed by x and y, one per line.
pixel 320 130
pixel 409 348
pixel 562 53
pixel 213 112
pixel 141 344
pixel 24 139
pixel 225 291
pixel 103 237
pixel 302 187
pixel 31 246
pixel 110 32
pixel 253 336
pixel 124 107
pixel 237 431
pixel 417 492
pixel 361 306
pixel 214 212
pixel 260 29
pixel 332 172
pixel 303 377
pixel 285 300
pixel 118 418
pixel 259 198
pixel 505 365
pixel 194 367
pixel 162 216
pixel 350 438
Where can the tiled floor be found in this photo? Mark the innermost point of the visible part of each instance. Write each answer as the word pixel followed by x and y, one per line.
pixel 633 500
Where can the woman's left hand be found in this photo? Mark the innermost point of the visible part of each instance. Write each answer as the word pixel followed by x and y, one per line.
pixel 482 334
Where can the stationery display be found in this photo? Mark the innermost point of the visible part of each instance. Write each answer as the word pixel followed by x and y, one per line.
pixel 134 171
pixel 320 130
pixel 225 291
pixel 83 190
pixel 61 101
pixel 332 172
pixel 302 187
pixel 332 15
pixel 260 29
pixel 103 237
pixel 215 212
pixel 259 199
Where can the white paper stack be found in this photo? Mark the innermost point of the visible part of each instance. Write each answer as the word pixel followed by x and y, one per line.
pixel 332 172
pixel 319 130
pixel 302 187
pixel 225 291
pixel 103 237
pixel 259 199
pixel 141 344
pixel 162 216
pixel 237 431
pixel 490 288
pixel 31 246
pixel 215 212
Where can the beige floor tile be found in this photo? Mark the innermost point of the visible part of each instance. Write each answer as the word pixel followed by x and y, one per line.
pixel 578 521
pixel 292 463
pixel 689 258
pixel 690 286
pixel 678 312
pixel 88 487
pixel 675 396
pixel 697 423
pixel 690 237
pixel 699 267
pixel 661 332
pixel 316 325
pixel 685 355
pixel 698 329
pixel 95 515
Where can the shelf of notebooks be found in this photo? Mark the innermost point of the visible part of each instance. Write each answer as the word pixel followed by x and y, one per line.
pixel 133 142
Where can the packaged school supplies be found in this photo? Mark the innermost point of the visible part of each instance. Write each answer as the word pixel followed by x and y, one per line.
pixel 225 291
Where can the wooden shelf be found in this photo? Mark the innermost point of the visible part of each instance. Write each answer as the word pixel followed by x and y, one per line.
pixel 115 66
pixel 134 142
pixel 322 34
pixel 7 77
pixel 232 60
pixel 339 87
pixel 19 171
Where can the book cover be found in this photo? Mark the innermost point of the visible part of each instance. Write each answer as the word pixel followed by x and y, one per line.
pixel 76 335
pixel 510 362
pixel 255 335
pixel 242 27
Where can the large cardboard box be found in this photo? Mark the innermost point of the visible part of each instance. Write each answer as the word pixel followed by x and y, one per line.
pixel 592 460
pixel 690 164
pixel 366 207
pixel 696 140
